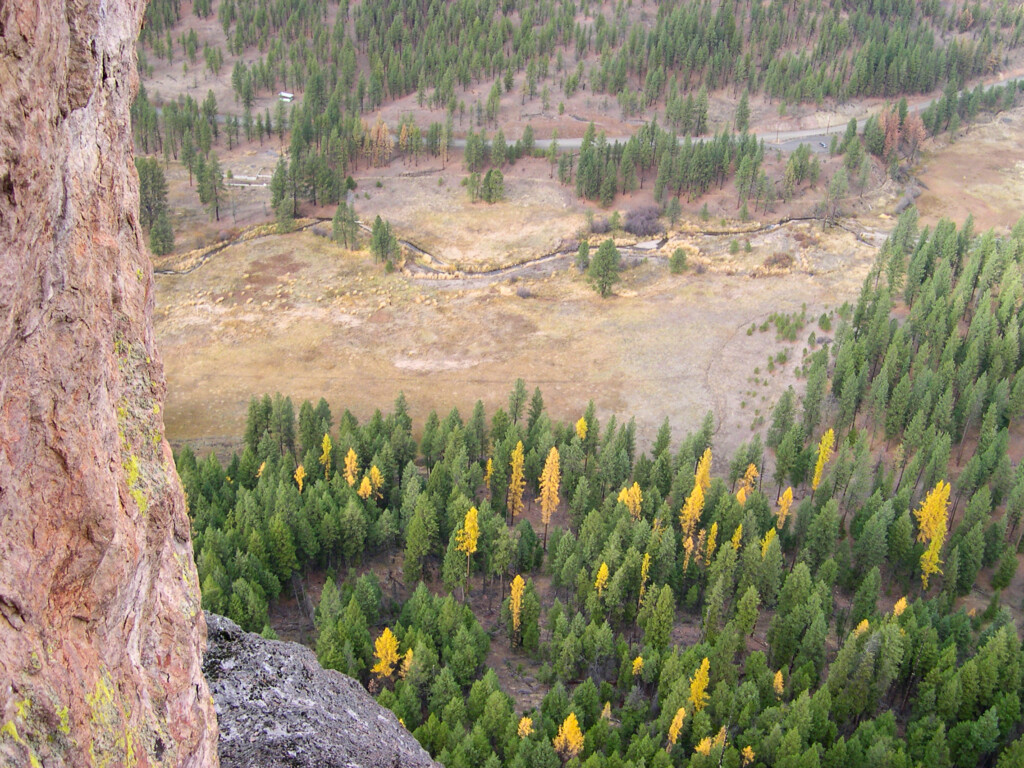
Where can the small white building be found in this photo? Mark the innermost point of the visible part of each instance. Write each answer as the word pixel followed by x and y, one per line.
pixel 286 97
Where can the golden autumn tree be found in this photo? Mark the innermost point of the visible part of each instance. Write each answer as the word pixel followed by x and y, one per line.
pixel 406 664
pixel 900 607
pixel 778 684
pixel 712 542
pixel 931 515
pixel 699 686
pixel 688 518
pixel 581 428
pixel 931 522
pixel 785 502
pixel 467 536
pixel 351 467
pixel 550 479
pixel 516 484
pixel 386 651
pixel 703 474
pixel 747 484
pixel 602 578
pixel 376 480
pixel 365 488
pixel 766 542
pixel 325 455
pixel 487 474
pixel 737 537
pixel 638 665
pixel 525 727
pixel 675 728
pixel 633 498
pixel 748 755
pixel 569 741
pixel 515 604
pixel 300 475
pixel 259 472
pixel 645 575
pixel 828 441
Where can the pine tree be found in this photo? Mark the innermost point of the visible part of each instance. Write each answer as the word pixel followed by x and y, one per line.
pixel 603 271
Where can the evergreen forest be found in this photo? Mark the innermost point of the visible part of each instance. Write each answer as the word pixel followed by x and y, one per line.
pixel 840 592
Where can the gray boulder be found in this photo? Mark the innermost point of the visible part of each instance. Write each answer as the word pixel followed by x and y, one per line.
pixel 277 706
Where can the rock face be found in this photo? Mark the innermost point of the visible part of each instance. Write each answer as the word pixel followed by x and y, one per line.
pixel 277 707
pixel 101 632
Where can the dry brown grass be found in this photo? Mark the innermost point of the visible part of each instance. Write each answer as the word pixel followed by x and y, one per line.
pixel 298 315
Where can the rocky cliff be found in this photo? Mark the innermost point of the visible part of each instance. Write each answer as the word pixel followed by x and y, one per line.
pixel 101 632
pixel 277 706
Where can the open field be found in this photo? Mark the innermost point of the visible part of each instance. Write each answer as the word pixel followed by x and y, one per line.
pixel 980 174
pixel 299 315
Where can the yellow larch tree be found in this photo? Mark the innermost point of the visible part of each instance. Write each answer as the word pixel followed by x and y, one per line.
pixel 703 474
pixel 325 455
pixel 516 484
pixel 386 651
pixel 581 428
pixel 569 741
pixel 699 686
pixel 688 518
pixel 703 746
pixel 602 578
pixel 767 542
pixel 406 664
pixel 931 522
pixel 748 755
pixel 785 502
pixel 376 480
pixel 515 603
pixel 699 546
pixel 467 536
pixel 747 484
pixel 259 472
pixel 861 628
pixel 487 474
pixel 900 607
pixel 525 727
pixel 365 488
pixel 351 467
pixel 931 515
pixel 606 711
pixel 675 728
pixel 638 665
pixel 550 479
pixel 300 475
pixel 737 537
pixel 825 446
pixel 645 574
pixel 778 684
pixel 930 560
pixel 633 498
pixel 712 542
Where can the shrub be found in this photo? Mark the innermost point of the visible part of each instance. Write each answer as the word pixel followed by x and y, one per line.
pixel 643 221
